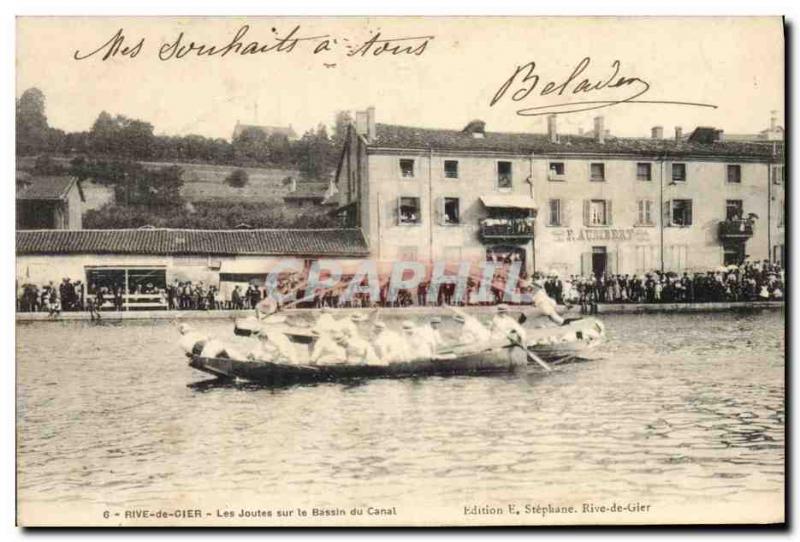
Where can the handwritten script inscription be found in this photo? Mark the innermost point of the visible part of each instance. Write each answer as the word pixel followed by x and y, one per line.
pixel 276 42
pixel 525 85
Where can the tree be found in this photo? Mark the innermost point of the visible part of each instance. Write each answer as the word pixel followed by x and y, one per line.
pixel 342 122
pixel 315 154
pixel 45 165
pixel 122 136
pixel 237 178
pixel 31 122
pixel 251 146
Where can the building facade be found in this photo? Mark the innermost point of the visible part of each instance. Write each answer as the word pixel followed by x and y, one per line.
pixel 565 203
pixel 51 203
pixel 223 258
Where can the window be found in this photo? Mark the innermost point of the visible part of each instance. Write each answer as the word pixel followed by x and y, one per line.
pixel 678 173
pixel 555 212
pixel 644 171
pixel 407 167
pixel 597 172
pixel 645 213
pixel 734 173
pixel 597 212
pixel 408 211
pixel 504 174
pixel 451 169
pixel 681 212
pixel 777 175
pixel 733 209
pixel 450 214
pixel 556 172
pixel 781 214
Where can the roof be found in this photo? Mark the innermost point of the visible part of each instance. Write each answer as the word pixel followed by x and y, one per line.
pixel 308 190
pixel 317 242
pixel 509 201
pixel 406 137
pixel 45 188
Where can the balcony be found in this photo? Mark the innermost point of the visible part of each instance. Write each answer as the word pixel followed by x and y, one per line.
pixel 735 230
pixel 506 229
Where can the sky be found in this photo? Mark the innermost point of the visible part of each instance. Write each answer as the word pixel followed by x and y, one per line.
pixel 734 63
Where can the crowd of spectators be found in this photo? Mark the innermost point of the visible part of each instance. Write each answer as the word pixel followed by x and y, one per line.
pixel 751 281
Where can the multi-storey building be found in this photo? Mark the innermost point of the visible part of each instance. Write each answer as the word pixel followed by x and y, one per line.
pixel 575 204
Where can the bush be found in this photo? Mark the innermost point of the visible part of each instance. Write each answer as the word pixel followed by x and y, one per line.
pixel 238 178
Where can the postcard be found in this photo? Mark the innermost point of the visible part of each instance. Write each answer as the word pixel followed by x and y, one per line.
pixel 400 271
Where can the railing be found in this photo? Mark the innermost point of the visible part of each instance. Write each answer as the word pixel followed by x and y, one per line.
pixel 731 230
pixel 506 228
pixel 135 302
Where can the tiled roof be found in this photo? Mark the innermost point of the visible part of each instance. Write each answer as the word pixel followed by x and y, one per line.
pixel 406 137
pixel 47 188
pixel 327 242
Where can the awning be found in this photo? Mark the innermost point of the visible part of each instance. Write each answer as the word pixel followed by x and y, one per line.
pixel 509 201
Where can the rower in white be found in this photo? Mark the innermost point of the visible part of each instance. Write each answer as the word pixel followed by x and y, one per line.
pixel 472 331
pixel 504 328
pixel 326 349
pixel 389 345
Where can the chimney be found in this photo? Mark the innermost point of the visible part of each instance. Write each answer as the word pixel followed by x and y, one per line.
pixel 580 130
pixel 361 123
pixel 773 121
pixel 599 130
pixel 678 134
pixel 371 133
pixel 658 132
pixel 552 131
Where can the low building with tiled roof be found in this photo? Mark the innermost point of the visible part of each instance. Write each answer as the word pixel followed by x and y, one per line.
pixel 49 202
pixel 161 256
pixel 574 204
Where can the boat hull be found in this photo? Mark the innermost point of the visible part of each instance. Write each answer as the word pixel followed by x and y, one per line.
pixel 503 360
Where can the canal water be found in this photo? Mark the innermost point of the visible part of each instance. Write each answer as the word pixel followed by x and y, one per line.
pixel 680 408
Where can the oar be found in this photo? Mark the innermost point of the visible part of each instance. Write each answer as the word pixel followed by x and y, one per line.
pixel 531 355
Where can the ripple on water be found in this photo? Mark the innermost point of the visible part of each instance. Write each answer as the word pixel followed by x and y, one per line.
pixel 681 407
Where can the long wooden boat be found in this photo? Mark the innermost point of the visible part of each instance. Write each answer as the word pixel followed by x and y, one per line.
pixel 501 360
pixel 553 344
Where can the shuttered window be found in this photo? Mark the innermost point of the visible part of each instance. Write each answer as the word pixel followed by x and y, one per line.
pixel 597 212
pixel 645 213
pixel 555 212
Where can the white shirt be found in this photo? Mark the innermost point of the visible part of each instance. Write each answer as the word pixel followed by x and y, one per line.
pixel 421 345
pixel 390 347
pixel 473 332
pixel 360 351
pixel 504 326
pixel 327 351
pixel 191 338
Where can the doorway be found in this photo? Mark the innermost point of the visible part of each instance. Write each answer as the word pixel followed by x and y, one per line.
pixel 599 261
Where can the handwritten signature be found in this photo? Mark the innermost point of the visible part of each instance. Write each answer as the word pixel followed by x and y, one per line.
pixel 279 42
pixel 524 85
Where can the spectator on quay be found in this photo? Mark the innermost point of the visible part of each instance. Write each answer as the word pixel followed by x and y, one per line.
pixel 119 297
